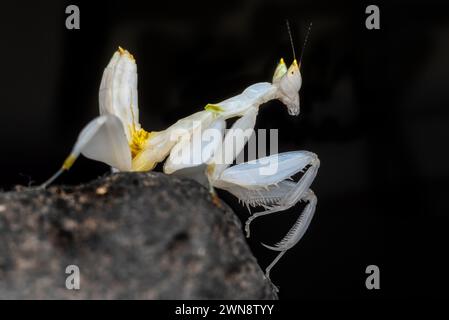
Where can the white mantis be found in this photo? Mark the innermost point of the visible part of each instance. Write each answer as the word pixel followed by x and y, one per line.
pixel 117 139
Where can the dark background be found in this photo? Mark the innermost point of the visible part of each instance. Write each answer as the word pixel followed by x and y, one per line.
pixel 374 108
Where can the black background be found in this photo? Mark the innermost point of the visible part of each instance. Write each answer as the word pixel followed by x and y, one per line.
pixel 374 107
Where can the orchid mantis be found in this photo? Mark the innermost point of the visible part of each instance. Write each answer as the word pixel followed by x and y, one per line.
pixel 117 138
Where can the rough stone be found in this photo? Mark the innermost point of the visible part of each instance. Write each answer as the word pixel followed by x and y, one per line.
pixel 132 235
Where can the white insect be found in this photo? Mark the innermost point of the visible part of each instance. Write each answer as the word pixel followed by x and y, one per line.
pixel 117 139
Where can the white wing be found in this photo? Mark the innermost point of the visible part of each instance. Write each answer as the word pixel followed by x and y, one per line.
pixel 118 90
pixel 103 139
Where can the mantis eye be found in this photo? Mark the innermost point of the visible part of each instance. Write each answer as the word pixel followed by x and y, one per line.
pixel 294 67
pixel 124 52
pixel 280 71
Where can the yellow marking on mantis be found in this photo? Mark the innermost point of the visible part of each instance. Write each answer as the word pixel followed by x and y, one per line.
pixel 213 108
pixel 68 162
pixel 145 166
pixel 281 61
pixel 126 52
pixel 216 200
pixel 210 169
pixel 138 141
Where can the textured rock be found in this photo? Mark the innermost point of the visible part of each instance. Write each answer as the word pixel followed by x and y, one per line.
pixel 132 235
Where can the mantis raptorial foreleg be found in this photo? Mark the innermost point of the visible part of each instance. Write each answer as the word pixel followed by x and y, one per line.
pixel 296 232
pixel 266 182
pixel 292 196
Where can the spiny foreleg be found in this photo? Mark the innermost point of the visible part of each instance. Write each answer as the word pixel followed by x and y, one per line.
pixel 296 232
pixel 294 193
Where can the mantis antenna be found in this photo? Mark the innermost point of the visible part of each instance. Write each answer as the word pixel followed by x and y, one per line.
pixel 305 42
pixel 291 39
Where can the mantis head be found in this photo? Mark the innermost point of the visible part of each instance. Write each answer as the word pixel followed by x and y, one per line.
pixel 288 82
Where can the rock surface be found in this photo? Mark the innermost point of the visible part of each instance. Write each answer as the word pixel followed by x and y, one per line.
pixel 132 235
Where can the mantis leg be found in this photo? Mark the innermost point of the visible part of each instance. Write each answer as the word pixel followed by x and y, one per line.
pixel 103 139
pixel 271 188
pixel 233 143
pixel 275 191
pixel 296 232
pixel 289 199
